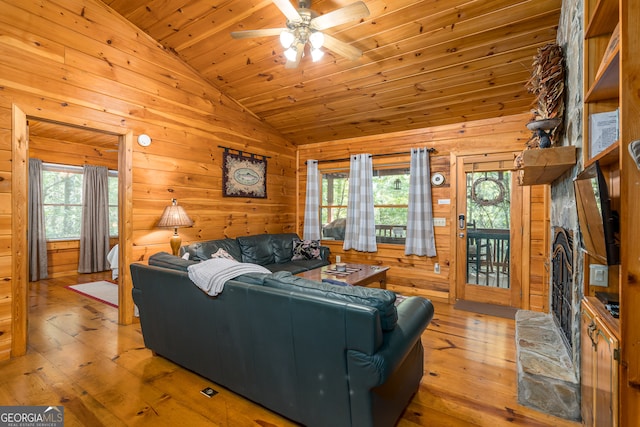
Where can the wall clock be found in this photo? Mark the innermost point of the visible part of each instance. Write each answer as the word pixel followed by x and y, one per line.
pixel 144 140
pixel 437 179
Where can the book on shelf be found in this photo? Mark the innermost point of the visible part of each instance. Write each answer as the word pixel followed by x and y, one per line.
pixel 603 131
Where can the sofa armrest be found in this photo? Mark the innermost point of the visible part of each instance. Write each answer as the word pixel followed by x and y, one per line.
pixel 414 315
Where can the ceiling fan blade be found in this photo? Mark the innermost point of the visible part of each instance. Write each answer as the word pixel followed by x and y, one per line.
pixel 257 33
pixel 340 16
pixel 288 10
pixel 299 52
pixel 341 48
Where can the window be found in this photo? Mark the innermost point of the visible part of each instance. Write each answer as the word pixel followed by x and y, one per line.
pixel 391 200
pixel 113 203
pixel 62 196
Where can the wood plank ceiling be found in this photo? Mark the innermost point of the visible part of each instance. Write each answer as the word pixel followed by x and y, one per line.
pixel 425 62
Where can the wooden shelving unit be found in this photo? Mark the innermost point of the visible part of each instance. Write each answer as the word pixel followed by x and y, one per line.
pixel 607 157
pixel 604 91
pixel 545 165
pixel 607 83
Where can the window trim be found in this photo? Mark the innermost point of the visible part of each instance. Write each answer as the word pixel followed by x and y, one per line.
pixel 62 168
pixel 386 166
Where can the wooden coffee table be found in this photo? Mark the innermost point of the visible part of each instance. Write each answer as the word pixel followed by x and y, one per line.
pixel 356 274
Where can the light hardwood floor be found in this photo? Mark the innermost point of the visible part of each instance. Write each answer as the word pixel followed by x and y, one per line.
pixel 79 357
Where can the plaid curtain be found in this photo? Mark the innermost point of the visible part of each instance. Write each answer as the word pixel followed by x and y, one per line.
pixel 311 229
pixel 360 231
pixel 420 240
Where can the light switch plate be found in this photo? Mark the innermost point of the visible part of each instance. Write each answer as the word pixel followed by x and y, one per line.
pixel 439 222
pixel 598 275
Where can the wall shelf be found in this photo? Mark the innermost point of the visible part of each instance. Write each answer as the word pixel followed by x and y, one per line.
pixel 543 166
pixel 603 19
pixel 608 156
pixel 606 84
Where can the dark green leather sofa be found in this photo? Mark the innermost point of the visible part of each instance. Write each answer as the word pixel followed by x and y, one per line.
pixel 273 251
pixel 316 353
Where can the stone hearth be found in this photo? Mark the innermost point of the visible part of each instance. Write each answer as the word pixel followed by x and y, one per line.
pixel 546 376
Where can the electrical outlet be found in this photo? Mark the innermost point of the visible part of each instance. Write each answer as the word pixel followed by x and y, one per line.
pixel 436 268
pixel 439 222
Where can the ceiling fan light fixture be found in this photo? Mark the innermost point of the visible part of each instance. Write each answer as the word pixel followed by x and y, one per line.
pixel 291 54
pixel 286 39
pixel 316 39
pixel 316 55
pixel 305 26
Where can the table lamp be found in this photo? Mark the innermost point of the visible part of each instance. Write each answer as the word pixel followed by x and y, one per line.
pixel 174 216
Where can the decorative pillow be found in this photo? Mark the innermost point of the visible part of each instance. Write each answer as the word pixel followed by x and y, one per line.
pixel 306 249
pixel 221 253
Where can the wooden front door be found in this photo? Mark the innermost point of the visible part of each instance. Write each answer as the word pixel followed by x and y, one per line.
pixel 489 221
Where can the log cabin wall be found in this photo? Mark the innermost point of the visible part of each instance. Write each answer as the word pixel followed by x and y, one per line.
pixel 63 255
pixel 486 136
pixel 540 246
pixel 78 62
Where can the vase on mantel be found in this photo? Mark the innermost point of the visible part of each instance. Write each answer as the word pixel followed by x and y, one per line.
pixel 543 128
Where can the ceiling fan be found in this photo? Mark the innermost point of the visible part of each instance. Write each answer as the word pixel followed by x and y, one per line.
pixel 306 26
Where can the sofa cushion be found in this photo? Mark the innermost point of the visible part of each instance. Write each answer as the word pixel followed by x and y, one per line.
pixel 256 249
pixel 201 251
pixel 291 267
pixel 221 253
pixel 282 246
pixel 166 260
pixel 310 264
pixel 381 299
pixel 306 249
pixel 252 278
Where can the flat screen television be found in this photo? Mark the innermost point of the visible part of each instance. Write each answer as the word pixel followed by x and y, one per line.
pixel 598 222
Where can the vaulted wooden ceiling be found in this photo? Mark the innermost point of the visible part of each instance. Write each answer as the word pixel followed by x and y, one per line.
pixel 424 63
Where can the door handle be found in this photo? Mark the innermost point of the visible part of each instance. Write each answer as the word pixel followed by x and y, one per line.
pixel 461 222
pixel 590 330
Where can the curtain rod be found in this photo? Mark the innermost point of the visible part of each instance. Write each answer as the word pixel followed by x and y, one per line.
pixel 243 153
pixel 430 150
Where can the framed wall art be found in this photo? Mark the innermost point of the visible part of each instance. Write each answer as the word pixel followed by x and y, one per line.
pixel 244 175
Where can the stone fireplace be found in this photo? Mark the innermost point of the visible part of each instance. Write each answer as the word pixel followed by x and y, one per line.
pixel 562 292
pixel 545 343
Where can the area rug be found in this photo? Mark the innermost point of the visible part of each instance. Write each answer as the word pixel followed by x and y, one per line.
pixel 489 309
pixel 102 291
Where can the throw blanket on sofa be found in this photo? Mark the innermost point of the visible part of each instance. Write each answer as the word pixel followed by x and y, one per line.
pixel 211 275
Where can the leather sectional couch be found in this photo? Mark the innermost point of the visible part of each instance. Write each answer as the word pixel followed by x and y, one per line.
pixel 273 251
pixel 316 353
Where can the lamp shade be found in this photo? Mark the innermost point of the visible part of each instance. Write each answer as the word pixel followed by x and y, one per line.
pixel 174 216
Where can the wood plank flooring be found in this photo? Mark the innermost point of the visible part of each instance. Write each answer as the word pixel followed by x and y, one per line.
pixel 79 357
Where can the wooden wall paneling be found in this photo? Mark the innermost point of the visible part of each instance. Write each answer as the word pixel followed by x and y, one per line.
pixel 125 227
pixel 18 210
pixel 6 286
pixel 508 133
pixel 630 206
pixel 59 152
pixel 89 67
pixel 540 248
pixel 525 253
